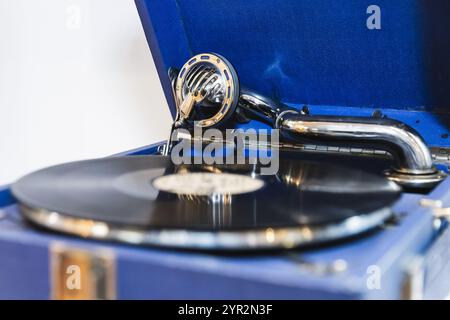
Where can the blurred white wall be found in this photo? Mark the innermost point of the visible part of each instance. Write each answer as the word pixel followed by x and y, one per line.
pixel 77 81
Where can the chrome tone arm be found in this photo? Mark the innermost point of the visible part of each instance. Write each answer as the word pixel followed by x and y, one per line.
pixel 403 142
pixel 413 161
pixel 262 108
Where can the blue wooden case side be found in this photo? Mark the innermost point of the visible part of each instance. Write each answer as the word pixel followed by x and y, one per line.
pixel 151 273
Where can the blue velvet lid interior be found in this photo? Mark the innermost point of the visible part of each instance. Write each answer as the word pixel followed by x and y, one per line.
pixel 319 52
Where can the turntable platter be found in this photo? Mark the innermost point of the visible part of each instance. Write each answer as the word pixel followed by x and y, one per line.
pixel 148 200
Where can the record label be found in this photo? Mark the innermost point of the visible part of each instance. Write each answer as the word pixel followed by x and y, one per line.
pixel 206 183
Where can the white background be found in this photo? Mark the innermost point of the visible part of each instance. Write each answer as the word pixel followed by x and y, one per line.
pixel 77 81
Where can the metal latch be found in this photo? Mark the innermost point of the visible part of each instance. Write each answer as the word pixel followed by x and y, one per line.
pixel 77 273
pixel 438 210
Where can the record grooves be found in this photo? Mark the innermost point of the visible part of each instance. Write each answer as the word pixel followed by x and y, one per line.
pixel 148 200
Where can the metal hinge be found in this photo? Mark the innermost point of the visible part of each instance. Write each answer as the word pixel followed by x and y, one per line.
pixel 414 280
pixel 81 274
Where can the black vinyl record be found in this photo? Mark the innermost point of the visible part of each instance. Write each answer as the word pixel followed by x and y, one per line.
pixel 148 200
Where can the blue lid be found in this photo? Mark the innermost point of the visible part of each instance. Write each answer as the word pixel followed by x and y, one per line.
pixel 341 57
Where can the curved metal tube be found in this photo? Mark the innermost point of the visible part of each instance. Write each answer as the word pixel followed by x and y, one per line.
pixel 262 108
pixel 404 143
pixel 413 162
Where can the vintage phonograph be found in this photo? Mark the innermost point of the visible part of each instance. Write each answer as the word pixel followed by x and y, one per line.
pixel 357 207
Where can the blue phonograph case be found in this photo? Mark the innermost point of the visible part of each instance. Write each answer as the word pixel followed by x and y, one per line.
pixel 336 57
